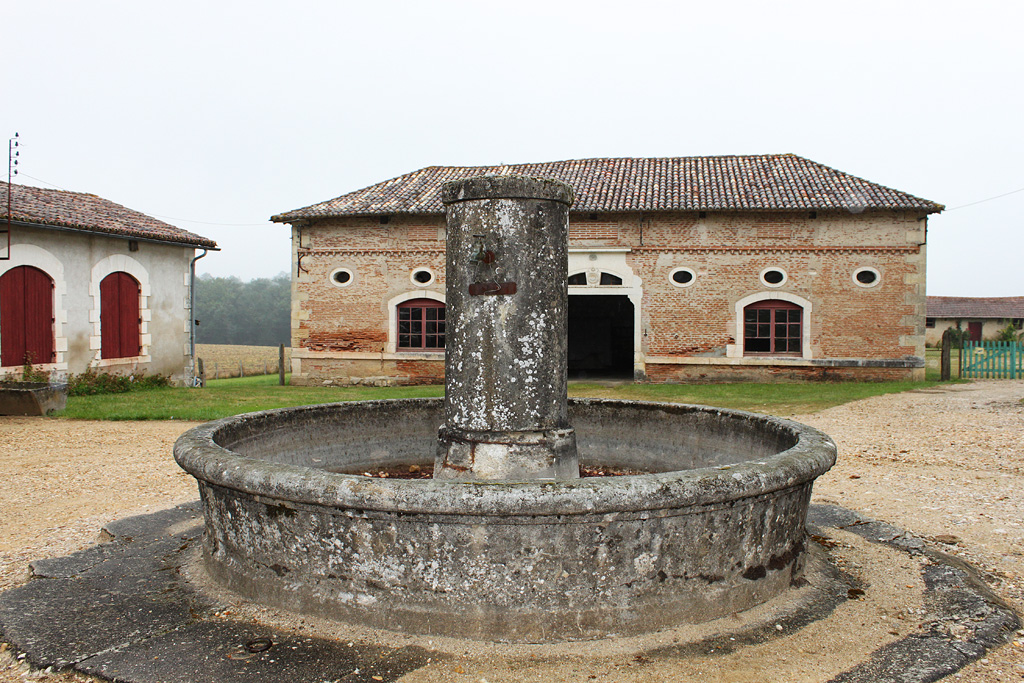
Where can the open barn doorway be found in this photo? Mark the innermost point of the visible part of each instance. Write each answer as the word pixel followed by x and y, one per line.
pixel 600 337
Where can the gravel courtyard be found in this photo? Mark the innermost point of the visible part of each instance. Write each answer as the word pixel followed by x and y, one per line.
pixel 946 463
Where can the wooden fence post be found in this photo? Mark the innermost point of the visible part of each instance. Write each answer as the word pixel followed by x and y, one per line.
pixel 944 362
pixel 280 365
pixel 201 372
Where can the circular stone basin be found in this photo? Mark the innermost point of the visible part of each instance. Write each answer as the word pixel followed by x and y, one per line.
pixel 716 527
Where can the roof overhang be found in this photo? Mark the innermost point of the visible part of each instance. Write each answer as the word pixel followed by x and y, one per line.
pixel 113 235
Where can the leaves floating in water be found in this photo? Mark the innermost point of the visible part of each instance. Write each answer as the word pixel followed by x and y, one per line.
pixel 426 471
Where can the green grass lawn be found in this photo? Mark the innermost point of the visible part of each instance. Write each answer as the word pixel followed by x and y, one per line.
pixel 932 370
pixel 225 397
pixel 773 399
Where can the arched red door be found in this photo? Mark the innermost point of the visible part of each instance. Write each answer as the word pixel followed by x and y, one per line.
pixel 119 316
pixel 26 316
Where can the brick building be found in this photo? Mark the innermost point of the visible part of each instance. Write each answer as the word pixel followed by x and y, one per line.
pixel 680 269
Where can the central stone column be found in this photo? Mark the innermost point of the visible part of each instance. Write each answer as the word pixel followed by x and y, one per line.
pixel 506 415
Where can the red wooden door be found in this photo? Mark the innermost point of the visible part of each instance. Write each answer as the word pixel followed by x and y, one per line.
pixel 119 316
pixel 26 316
pixel 974 329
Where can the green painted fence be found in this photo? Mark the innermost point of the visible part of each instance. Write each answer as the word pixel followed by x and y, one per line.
pixel 992 360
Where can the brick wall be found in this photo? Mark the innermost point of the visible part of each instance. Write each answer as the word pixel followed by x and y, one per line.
pixel 688 333
pixel 701 374
pixel 341 332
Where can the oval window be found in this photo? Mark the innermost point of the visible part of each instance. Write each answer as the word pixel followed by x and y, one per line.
pixel 341 277
pixel 682 277
pixel 422 277
pixel 866 277
pixel 773 277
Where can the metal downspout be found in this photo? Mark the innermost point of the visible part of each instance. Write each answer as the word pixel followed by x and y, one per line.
pixel 192 315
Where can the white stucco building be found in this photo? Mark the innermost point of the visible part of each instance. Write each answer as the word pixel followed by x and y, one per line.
pixel 982 317
pixel 87 283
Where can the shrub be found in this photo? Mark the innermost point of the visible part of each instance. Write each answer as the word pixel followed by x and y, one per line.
pixel 959 336
pixel 91 382
pixel 30 374
pixel 1009 334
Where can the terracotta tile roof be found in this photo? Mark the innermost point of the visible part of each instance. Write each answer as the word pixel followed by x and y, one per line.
pixel 975 307
pixel 89 213
pixel 724 183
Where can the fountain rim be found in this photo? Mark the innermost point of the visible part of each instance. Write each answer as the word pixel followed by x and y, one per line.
pixel 813 454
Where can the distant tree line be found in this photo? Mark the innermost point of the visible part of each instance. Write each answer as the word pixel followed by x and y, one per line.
pixel 256 313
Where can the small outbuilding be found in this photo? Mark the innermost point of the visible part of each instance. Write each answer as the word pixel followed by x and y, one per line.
pixel 769 267
pixel 983 317
pixel 89 284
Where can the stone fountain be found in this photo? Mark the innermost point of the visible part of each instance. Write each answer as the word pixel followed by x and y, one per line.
pixel 506 542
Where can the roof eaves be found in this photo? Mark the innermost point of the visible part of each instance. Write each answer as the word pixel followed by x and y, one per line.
pixel 127 234
pixel 607 185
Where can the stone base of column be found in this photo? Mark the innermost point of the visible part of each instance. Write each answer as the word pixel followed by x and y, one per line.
pixel 507 456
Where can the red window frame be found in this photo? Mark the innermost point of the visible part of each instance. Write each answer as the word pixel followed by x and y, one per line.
pixel 120 318
pixel 773 328
pixel 421 325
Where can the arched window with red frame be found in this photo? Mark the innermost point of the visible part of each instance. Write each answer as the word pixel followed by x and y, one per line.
pixel 421 325
pixel 26 317
pixel 120 322
pixel 773 328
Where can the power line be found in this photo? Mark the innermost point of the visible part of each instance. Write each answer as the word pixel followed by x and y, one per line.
pixel 260 225
pixel 45 182
pixel 981 201
pixel 237 225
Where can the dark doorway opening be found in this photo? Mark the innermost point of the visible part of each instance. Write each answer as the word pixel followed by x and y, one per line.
pixel 600 337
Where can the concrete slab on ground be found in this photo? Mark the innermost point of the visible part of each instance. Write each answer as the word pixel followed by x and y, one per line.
pixel 126 610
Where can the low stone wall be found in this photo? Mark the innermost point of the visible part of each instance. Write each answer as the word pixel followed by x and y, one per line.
pixel 314 371
pixel 665 373
pixel 233 360
pixel 379 372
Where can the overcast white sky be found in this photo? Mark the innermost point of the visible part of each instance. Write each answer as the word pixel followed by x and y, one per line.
pixel 215 115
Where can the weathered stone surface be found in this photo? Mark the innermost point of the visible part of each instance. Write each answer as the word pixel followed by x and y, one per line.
pixel 108 595
pixel 718 526
pixel 122 611
pixel 954 595
pixel 55 628
pixel 32 398
pixel 62 621
pixel 506 305
pixel 506 542
pixel 215 651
